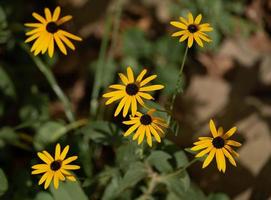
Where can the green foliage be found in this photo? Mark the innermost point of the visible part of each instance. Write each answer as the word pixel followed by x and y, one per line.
pixel 3 183
pixel 68 191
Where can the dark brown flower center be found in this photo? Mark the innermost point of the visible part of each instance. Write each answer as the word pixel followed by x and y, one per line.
pixel 132 89
pixel 218 142
pixel 52 27
pixel 145 119
pixel 192 28
pixel 55 165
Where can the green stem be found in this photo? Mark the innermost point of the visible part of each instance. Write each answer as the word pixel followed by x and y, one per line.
pixel 177 86
pixel 94 102
pixel 180 170
pixel 117 16
pixel 53 83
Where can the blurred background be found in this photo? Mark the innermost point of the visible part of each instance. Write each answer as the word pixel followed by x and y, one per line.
pixel 229 80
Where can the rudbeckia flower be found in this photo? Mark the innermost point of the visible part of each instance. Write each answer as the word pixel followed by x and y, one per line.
pixel 145 124
pixel 55 168
pixel 131 91
pixel 192 30
pixel 49 30
pixel 218 146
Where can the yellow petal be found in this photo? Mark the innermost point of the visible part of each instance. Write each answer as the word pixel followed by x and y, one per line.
pixel 127 106
pixel 179 33
pixel 43 178
pixel 48 14
pixel 203 152
pixel 183 20
pixel 69 160
pixel 71 167
pixel 209 158
pixel 147 80
pixel 60 44
pixel 155 134
pixel 64 19
pixel 233 143
pixel 148 135
pixel 64 152
pixel 69 35
pixel 66 41
pixel 39 171
pixel 151 88
pixel 213 128
pixel 130 75
pixel 183 38
pixel 178 24
pixel 145 95
pixel 134 105
pixel 141 75
pixel 56 14
pixel 139 100
pixel 114 98
pixel 33 37
pixel 57 152
pixel 190 18
pixel 142 135
pixel 131 129
pixel 198 19
pixel 198 40
pixel 120 106
pixel 48 180
pixel 117 86
pixel 34 25
pixel 56 181
pixel 230 133
pixel 44 158
pixel 220 160
pixel 123 78
pixel 229 156
pixel 39 18
pixel 190 41
pixel 200 146
pixel 40 166
pixel 139 131
pixel 51 47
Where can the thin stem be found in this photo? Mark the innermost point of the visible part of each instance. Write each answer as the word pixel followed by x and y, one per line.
pixel 180 170
pixel 177 86
pixel 53 83
pixel 117 16
pixel 94 102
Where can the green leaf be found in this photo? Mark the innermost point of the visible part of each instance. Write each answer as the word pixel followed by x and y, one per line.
pixel 218 196
pixel 135 44
pixel 44 196
pixel 6 85
pixel 127 154
pixel 181 159
pixel 136 172
pixel 68 191
pixel 102 132
pixel 48 133
pixel 7 135
pixel 3 183
pixel 159 160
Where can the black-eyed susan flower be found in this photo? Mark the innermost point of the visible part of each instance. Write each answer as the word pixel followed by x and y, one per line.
pixel 131 91
pixel 146 124
pixel 192 30
pixel 219 146
pixel 49 30
pixel 55 168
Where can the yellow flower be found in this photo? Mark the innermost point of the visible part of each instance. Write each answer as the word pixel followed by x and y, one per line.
pixel 192 29
pixel 131 91
pixel 145 124
pixel 220 146
pixel 55 168
pixel 49 30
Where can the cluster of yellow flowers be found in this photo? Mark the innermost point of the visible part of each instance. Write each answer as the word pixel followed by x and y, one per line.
pixel 131 94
